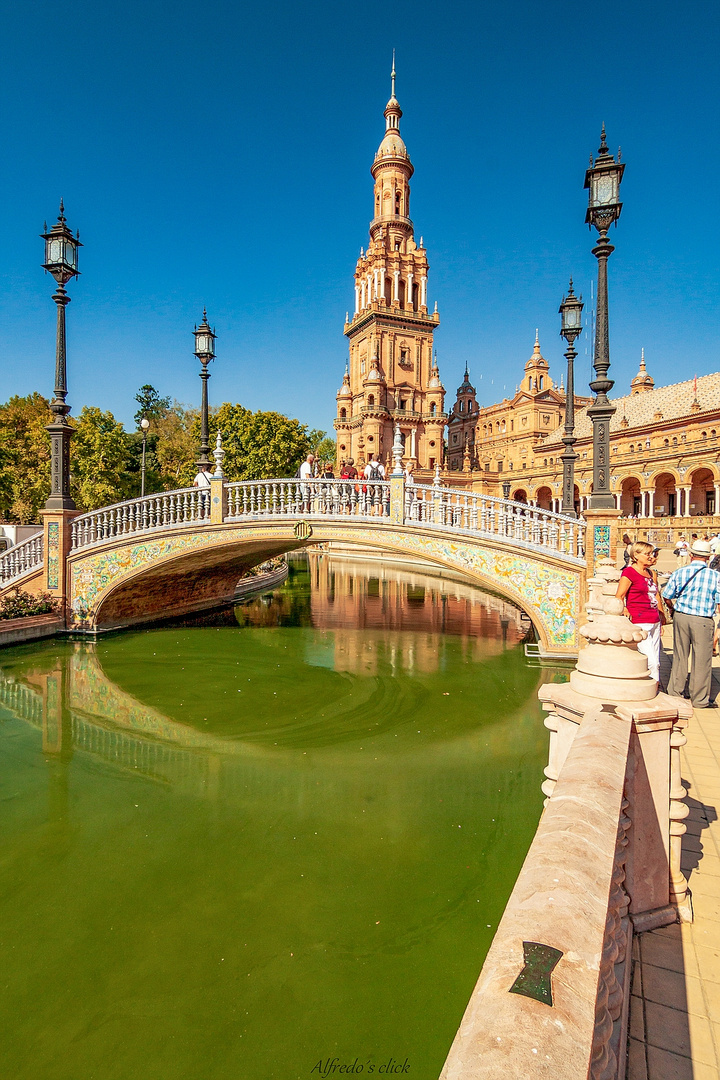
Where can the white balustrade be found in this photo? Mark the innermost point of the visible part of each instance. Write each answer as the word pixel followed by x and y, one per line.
pixel 293 498
pixel 434 505
pixel 21 558
pixel 166 509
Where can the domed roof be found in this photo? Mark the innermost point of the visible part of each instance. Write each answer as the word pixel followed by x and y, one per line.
pixel 392 146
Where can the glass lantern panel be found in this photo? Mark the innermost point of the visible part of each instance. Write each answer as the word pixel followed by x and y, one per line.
pixel 54 251
pixel 201 343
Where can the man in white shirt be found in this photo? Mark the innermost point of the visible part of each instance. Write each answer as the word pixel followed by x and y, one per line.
pixel 374 471
pixel 202 483
pixel 306 471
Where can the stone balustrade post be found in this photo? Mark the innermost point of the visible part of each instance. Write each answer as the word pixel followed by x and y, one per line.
pixel 57 539
pixel 218 500
pixel 397 499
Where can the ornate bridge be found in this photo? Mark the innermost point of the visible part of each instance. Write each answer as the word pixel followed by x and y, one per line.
pixel 182 551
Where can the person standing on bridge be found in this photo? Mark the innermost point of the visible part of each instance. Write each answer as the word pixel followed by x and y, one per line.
pixel 305 473
pixel 694 591
pixel 202 483
pixel 638 588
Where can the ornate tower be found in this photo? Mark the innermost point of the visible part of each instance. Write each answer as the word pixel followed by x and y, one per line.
pixel 642 381
pixel 391 375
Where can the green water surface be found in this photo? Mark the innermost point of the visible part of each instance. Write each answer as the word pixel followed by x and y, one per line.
pixel 235 850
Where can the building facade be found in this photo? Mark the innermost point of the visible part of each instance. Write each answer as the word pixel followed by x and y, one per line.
pixel 392 374
pixel 664 445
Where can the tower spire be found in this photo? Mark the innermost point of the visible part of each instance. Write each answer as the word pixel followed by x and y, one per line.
pixel 392 77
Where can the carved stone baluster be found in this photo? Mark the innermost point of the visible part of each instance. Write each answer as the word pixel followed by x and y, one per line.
pixel 679 892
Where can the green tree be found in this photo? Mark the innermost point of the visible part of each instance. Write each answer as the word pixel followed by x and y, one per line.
pixel 101 461
pixel 151 405
pixel 259 445
pixel 24 457
pixel 178 439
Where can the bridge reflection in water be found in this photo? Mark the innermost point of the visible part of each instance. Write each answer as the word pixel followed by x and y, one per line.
pixel 208 888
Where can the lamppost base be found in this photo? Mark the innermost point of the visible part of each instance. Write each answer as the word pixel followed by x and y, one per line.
pixel 602 502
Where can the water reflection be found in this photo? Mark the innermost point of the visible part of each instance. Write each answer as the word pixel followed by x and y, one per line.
pixel 269 841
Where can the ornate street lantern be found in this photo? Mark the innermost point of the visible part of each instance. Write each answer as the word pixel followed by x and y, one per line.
pixel 570 326
pixel 61 260
pixel 602 180
pixel 205 352
pixel 506 489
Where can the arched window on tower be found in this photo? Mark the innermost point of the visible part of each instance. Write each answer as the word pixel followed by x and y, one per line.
pixel 371 400
pixel 540 385
pixel 388 290
pixel 415 297
pixel 343 414
pixel 433 409
pixel 398 203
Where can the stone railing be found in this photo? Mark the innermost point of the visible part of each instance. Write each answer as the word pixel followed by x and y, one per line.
pixel 553 994
pixel 292 498
pixel 486 515
pixel 432 505
pixel 187 505
pixel 16 562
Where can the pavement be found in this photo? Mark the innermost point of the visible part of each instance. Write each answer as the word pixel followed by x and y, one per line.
pixel 675 1003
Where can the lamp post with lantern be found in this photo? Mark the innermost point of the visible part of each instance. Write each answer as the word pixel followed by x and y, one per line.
pixel 61 260
pixel 571 326
pixel 144 424
pixel 603 181
pixel 205 352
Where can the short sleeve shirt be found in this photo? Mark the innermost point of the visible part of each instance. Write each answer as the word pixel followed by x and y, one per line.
pixel 641 597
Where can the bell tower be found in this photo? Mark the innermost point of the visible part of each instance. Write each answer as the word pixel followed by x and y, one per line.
pixel 391 377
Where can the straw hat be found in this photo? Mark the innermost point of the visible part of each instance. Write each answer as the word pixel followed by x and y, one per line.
pixel 701 547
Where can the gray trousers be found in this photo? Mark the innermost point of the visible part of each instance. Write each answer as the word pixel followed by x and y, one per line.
pixel 696 633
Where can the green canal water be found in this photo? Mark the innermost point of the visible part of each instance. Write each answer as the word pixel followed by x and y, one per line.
pixel 235 849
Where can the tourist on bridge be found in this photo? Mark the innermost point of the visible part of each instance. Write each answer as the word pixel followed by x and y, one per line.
pixel 638 587
pixel 305 473
pixel 374 472
pixel 202 483
pixel 694 591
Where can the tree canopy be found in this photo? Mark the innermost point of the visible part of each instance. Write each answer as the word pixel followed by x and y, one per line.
pixel 259 445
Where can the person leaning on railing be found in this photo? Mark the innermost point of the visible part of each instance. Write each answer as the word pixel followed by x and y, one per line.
pixel 694 593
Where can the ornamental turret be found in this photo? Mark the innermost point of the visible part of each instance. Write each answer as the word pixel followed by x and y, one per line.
pixel 642 380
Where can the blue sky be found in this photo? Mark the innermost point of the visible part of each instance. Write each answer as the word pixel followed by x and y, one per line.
pixel 219 154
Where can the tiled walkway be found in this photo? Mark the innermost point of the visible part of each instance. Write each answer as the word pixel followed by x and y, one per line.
pixel 675 1008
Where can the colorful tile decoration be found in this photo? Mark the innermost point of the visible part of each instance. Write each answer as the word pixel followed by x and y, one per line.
pixel 547 590
pixel 601 542
pixel 53 555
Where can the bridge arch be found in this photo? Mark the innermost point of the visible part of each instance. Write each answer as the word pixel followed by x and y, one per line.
pixel 130 581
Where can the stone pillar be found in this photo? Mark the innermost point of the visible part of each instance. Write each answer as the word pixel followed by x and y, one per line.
pixel 651 503
pixel 601 537
pixel 686 501
pixel 57 539
pixel 218 500
pixel 396 286
pixel 357 299
pixel 717 499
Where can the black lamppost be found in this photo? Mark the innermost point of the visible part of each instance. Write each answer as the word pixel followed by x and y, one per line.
pixel 603 180
pixel 61 259
pixel 144 424
pixel 571 326
pixel 506 489
pixel 205 352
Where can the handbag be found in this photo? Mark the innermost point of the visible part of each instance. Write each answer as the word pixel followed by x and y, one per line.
pixel 666 612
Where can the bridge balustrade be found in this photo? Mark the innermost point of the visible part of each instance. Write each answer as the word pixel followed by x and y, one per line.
pixel 181 507
pixel 19 559
pixel 292 498
pixel 500 518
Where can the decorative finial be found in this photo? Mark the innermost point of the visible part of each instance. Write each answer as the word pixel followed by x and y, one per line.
pixel 421 242
pixel 436 307
pixel 467 373
pixel 642 359
pixel 570 287
pixel 392 77
pixel 537 338
pixel 218 454
pixel 436 480
pixel 397 452
pixel 61 215
pixel 603 141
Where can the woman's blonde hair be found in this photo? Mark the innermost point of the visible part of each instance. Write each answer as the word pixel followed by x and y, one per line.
pixel 640 547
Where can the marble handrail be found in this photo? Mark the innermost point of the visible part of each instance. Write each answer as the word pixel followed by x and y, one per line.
pixel 16 562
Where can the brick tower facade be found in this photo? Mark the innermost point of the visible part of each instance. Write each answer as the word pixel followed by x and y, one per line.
pixel 392 376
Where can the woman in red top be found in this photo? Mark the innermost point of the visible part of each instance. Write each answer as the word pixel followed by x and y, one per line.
pixel 638 588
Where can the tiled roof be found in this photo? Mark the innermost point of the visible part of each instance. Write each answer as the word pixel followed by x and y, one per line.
pixel 674 402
